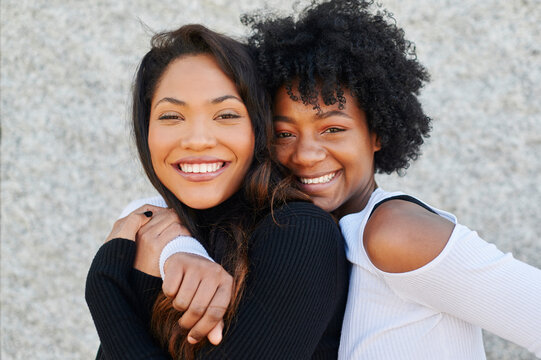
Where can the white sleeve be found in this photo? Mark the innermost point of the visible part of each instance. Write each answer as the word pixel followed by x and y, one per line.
pixel 184 244
pixel 474 281
pixel 156 201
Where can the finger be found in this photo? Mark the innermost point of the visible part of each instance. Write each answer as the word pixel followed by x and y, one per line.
pixel 210 320
pixel 215 335
pixel 147 207
pixel 186 292
pixel 155 224
pixel 214 313
pixel 199 304
pixel 174 274
pixel 154 229
pixel 166 215
pixel 160 222
pixel 128 227
pixel 145 214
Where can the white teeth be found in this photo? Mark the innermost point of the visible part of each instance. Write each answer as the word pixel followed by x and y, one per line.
pixel 200 168
pixel 319 180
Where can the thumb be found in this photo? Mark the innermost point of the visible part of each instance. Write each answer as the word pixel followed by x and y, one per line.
pixel 215 335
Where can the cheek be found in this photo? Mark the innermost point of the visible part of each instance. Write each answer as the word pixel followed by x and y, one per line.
pixel 243 143
pixel 358 161
pixel 248 149
pixel 283 153
pixel 153 144
pixel 159 141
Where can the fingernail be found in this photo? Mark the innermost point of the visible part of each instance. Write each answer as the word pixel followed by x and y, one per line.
pixel 191 340
pixel 148 213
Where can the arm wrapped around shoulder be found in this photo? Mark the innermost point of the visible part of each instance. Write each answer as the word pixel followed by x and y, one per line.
pixel 295 293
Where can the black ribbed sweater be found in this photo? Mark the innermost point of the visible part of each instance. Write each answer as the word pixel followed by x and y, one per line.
pixel 292 308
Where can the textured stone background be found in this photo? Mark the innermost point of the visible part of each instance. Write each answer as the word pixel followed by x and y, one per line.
pixel 68 167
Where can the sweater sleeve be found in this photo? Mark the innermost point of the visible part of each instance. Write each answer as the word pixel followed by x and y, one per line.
pixel 115 306
pixel 156 201
pixel 146 289
pixel 297 280
pixel 474 281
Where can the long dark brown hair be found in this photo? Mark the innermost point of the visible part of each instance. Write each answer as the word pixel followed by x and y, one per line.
pixel 264 187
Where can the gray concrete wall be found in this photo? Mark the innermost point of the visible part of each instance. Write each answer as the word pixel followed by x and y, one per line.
pixel 68 167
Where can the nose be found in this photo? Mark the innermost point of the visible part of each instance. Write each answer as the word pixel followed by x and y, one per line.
pixel 308 152
pixel 197 136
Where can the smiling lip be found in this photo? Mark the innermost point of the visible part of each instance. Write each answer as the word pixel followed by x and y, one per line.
pixel 312 184
pixel 198 169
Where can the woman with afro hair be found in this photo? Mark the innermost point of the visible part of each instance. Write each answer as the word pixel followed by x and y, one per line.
pixel 345 84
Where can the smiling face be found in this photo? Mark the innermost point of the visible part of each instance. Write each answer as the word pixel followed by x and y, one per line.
pixel 330 152
pixel 200 134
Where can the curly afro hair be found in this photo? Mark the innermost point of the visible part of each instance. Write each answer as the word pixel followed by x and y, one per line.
pixel 342 45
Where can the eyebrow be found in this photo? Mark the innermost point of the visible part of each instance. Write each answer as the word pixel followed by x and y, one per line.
pixel 183 103
pixel 320 116
pixel 224 98
pixel 170 100
pixel 332 113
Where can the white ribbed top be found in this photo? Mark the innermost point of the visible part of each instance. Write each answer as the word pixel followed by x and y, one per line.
pixel 438 310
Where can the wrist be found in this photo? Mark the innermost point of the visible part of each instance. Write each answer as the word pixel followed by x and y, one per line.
pixel 184 244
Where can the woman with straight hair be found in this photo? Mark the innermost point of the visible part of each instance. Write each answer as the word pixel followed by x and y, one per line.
pixel 203 131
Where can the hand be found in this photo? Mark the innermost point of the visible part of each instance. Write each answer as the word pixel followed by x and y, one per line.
pixel 151 238
pixel 202 289
pixel 127 227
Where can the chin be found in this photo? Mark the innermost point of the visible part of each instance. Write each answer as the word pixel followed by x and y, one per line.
pixel 199 203
pixel 321 203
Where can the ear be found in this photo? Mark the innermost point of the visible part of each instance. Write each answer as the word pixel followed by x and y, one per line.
pixel 376 143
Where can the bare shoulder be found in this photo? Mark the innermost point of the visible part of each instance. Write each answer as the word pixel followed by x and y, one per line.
pixel 401 236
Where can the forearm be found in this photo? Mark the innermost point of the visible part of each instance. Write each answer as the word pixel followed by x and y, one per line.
pixel 297 280
pixel 474 281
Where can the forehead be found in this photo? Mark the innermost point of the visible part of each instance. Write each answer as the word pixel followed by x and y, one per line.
pixel 287 109
pixel 194 76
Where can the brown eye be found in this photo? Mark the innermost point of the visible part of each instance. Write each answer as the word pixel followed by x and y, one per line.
pixel 333 130
pixel 283 134
pixel 170 116
pixel 228 116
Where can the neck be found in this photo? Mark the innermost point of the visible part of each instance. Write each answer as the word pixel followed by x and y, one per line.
pixel 356 203
pixel 210 216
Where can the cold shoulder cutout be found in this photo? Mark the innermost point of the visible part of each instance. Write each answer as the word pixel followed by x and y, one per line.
pixel 402 236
